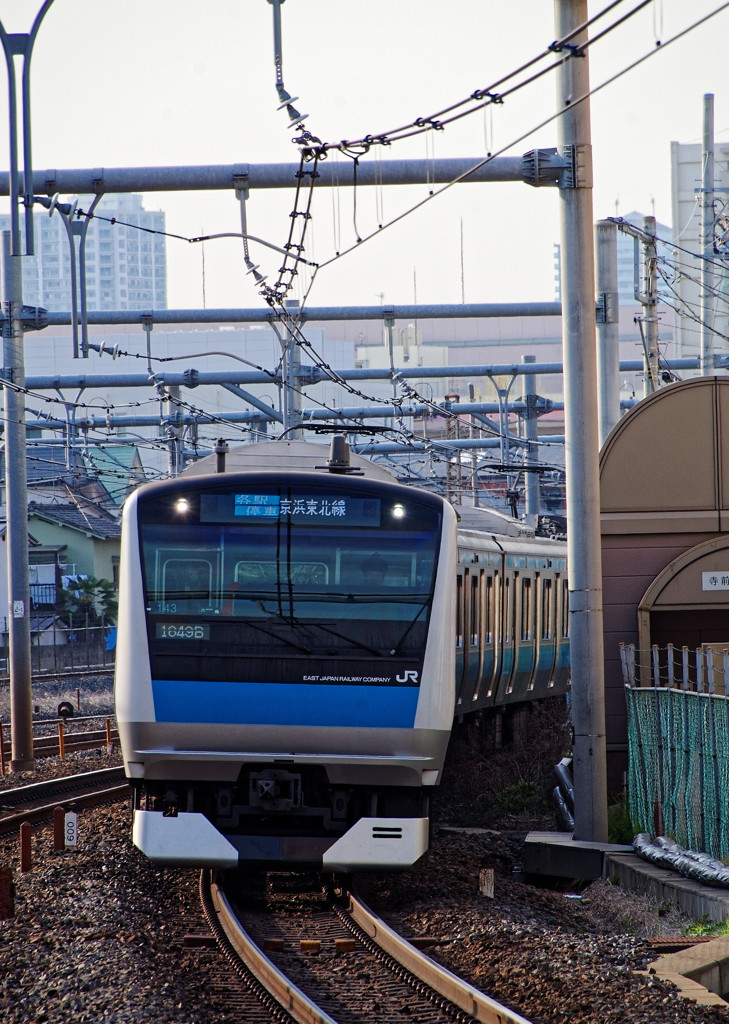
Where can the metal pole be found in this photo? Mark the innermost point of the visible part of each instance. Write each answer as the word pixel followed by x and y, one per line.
pixel 172 424
pixel 20 44
pixel 475 433
pixel 650 303
pixel 21 707
pixel 29 42
pixel 608 334
pixel 707 237
pixel 531 426
pixel 581 437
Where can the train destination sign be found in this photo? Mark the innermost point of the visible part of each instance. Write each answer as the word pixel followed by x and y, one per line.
pixel 313 509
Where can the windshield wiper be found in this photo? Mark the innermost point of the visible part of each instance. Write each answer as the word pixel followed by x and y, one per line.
pixel 423 606
pixel 350 640
pixel 277 636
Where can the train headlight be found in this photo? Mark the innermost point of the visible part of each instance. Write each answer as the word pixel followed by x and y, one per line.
pixel 182 505
pixel 398 512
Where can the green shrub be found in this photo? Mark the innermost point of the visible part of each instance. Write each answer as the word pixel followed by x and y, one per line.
pixel 620 827
pixel 521 797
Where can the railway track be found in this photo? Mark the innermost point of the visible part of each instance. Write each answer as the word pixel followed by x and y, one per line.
pixel 68 741
pixel 37 801
pixel 323 960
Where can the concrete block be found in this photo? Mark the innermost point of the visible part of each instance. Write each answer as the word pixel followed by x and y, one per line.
pixel 558 855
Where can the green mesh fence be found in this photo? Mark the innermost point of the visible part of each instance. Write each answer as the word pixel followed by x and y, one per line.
pixel 678 777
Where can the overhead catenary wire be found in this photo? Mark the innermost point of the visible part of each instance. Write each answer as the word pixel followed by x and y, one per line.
pixel 293 258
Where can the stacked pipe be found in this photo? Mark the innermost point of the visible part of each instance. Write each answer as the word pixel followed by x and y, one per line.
pixel 563 794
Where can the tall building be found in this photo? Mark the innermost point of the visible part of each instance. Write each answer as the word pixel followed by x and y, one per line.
pixel 126 268
pixel 692 306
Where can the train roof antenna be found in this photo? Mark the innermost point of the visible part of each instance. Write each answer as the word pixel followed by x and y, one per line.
pixel 338 461
pixel 221 450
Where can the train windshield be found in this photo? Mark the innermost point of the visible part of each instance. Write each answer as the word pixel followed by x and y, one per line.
pixel 256 572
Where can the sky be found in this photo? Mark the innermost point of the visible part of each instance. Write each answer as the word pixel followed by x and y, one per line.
pixel 178 82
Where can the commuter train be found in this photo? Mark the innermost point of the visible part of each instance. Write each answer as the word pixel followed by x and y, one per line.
pixel 296 631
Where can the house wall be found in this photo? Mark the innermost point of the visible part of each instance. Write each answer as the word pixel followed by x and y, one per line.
pixel 630 563
pixel 91 555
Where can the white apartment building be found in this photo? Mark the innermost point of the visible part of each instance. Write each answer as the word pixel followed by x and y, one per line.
pixel 126 268
pixel 686 189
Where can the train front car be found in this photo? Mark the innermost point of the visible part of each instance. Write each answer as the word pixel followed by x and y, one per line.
pixel 285 665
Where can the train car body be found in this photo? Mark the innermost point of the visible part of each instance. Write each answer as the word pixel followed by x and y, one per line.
pixel 281 695
pixel 286 673
pixel 512 626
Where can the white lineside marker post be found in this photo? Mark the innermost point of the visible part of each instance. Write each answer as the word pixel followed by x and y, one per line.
pixel 486 882
pixel 70 829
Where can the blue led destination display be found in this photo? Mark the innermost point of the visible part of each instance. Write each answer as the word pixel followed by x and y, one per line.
pixel 311 509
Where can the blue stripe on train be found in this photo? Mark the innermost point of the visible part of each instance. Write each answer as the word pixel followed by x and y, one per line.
pixel 341 705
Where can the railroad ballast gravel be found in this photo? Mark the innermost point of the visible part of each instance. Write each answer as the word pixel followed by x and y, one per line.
pixel 98 935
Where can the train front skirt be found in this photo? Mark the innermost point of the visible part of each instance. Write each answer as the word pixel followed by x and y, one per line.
pixel 190 839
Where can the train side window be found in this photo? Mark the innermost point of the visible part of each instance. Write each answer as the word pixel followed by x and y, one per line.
pixel 475 610
pixel 565 609
pixel 459 611
pixel 526 609
pixel 489 609
pixel 508 614
pixel 547 610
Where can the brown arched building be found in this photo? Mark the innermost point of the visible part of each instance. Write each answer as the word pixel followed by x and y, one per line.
pixel 664 483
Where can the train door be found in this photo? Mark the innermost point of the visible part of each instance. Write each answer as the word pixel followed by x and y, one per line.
pixel 527 661
pixel 560 676
pixel 545 635
pixel 461 619
pixel 474 640
pixel 521 677
pixel 490 655
pixel 509 613
pixel 490 593
pixel 469 637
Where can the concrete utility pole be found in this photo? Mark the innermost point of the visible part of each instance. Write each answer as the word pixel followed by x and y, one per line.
pixel 649 299
pixel 608 333
pixel 707 237
pixel 581 438
pixel 16 488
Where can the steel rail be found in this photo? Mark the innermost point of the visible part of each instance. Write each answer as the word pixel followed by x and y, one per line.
pixel 464 995
pixel 37 801
pixel 292 1000
pixel 461 994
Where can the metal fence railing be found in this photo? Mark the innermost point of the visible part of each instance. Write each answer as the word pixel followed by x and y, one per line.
pixel 678 739
pixel 59 648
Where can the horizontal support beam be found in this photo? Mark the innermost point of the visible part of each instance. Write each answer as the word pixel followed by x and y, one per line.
pixel 195 378
pixel 264 314
pixel 462 444
pixel 308 415
pixel 330 173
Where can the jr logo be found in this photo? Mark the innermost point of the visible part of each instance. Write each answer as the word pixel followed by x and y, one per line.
pixel 409 676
